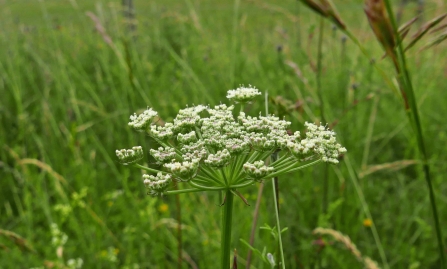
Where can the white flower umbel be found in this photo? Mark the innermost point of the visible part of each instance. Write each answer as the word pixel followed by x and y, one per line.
pixel 129 156
pixel 220 159
pixel 187 138
pixel 211 148
pixel 162 132
pixel 156 184
pixel 243 94
pixel 319 141
pixel 185 171
pixel 163 155
pixel 257 170
pixel 141 122
pixel 217 149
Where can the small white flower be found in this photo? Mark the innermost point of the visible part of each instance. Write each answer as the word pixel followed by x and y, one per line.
pixel 257 170
pixel 194 150
pixel 188 118
pixel 236 146
pixel 243 94
pixel 141 122
pixel 162 132
pixel 187 138
pixel 260 142
pixel 163 155
pixel 220 159
pixel 156 184
pixel 75 263
pixel 58 238
pixel 129 156
pixel 185 171
pixel 319 141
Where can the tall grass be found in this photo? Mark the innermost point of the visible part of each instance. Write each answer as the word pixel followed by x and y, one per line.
pixel 66 93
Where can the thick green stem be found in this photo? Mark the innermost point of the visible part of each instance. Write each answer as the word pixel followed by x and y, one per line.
pixel 225 243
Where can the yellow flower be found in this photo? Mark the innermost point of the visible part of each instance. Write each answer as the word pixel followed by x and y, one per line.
pixel 367 222
pixel 163 208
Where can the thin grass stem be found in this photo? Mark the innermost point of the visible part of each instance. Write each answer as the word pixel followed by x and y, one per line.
pixel 404 75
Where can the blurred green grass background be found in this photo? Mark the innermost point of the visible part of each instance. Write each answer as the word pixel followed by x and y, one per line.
pixel 67 91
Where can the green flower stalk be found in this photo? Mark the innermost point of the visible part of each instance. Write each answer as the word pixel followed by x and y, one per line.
pixel 213 149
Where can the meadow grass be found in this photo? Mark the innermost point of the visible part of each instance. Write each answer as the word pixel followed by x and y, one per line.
pixel 67 92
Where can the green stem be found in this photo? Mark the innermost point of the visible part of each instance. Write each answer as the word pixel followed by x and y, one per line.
pixel 414 116
pixel 319 69
pixel 290 162
pixel 147 168
pixel 291 168
pixel 243 185
pixel 355 180
pixel 275 199
pixel 241 108
pixel 205 188
pixel 388 81
pixel 211 173
pixel 181 191
pixel 207 179
pixel 225 243
pixel 323 118
pixel 285 158
pixel 241 164
pixel 304 166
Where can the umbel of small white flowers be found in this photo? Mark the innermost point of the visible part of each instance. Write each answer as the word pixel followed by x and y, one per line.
pixel 212 150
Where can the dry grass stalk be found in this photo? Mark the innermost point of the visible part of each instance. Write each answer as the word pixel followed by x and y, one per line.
pixel 435 41
pixel 405 28
pixel 392 166
pixel 424 29
pixel 326 9
pixel 381 26
pixel 370 264
pixel 101 29
pixel 17 240
pixel 346 241
pixel 439 28
pixel 339 237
